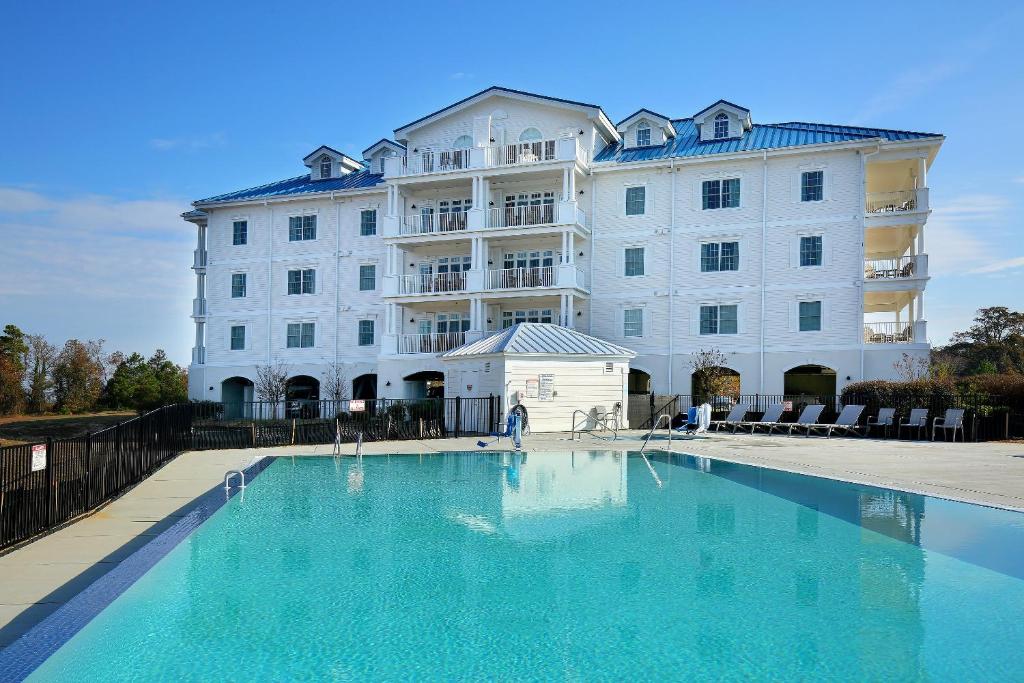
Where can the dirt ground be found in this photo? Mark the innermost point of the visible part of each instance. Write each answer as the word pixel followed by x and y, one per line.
pixel 17 429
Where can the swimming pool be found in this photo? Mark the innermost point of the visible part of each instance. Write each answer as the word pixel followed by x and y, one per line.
pixel 584 565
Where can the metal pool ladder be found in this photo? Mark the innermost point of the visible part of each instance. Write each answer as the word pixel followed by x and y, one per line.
pixel 231 473
pixel 657 423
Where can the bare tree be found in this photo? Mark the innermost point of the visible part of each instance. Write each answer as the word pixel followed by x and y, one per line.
pixel 336 382
pixel 40 360
pixel 910 368
pixel 710 377
pixel 272 382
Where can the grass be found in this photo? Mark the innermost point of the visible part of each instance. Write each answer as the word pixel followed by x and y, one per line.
pixel 18 429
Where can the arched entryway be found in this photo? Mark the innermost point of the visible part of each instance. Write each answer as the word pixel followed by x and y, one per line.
pixel 237 395
pixel 718 385
pixel 815 381
pixel 425 384
pixel 302 396
pixel 365 387
pixel 639 381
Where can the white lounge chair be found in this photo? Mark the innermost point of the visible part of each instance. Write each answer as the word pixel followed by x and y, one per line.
pixel 953 419
pixel 884 419
pixel 918 420
pixel 770 417
pixel 846 422
pixel 735 416
pixel 808 418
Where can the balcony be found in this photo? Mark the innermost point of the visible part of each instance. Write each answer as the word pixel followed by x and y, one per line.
pixel 896 208
pixel 199 258
pixel 437 342
pixel 496 156
pixel 198 355
pixel 905 272
pixel 431 283
pixel 896 332
pixel 433 224
pixel 198 307
pixel 564 275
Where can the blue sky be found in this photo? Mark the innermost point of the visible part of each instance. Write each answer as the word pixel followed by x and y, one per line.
pixel 113 116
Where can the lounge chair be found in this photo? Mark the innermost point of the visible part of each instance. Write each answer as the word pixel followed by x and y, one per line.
pixel 698 419
pixel 808 417
pixel 735 416
pixel 846 422
pixel 918 420
pixel 770 418
pixel 953 419
pixel 884 419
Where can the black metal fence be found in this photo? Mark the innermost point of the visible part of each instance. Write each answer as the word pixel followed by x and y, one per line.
pixel 986 418
pixel 45 485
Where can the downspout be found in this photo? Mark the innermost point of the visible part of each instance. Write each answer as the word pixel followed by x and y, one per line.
pixel 270 280
pixel 764 237
pixel 337 270
pixel 671 276
pixel 860 276
pixel 593 232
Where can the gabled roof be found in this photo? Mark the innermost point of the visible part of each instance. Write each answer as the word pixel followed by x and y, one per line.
pixel 599 114
pixel 383 142
pixel 705 110
pixel 297 186
pixel 346 160
pixel 543 339
pixel 661 120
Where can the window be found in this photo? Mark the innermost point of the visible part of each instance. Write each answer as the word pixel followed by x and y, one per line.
pixel 810 251
pixel 634 261
pixel 643 136
pixel 367 278
pixel 717 256
pixel 238 337
pixel 635 200
pixel 325 166
pixel 540 315
pixel 240 232
pixel 721 194
pixel 721 126
pixel 301 335
pixel 301 228
pixel 812 186
pixel 633 322
pixel 382 162
pixel 451 323
pixel 302 281
pixel 237 285
pixel 462 142
pixel 810 316
pixel 368 222
pixel 530 135
pixel 366 333
pixel 719 319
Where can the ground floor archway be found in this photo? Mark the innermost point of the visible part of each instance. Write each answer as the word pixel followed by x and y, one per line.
pixel 365 387
pixel 810 380
pixel 718 385
pixel 639 381
pixel 302 397
pixel 425 384
pixel 237 395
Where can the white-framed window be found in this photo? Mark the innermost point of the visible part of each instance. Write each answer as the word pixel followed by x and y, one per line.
pixel 301 335
pixel 719 256
pixel 636 200
pixel 633 322
pixel 382 162
pixel 719 319
pixel 720 194
pixel 533 315
pixel 810 316
pixel 325 166
pixel 301 228
pixel 302 281
pixel 451 323
pixel 462 142
pixel 812 186
pixel 530 135
pixel 643 135
pixel 367 222
pixel 239 233
pixel 238 285
pixel 811 251
pixel 238 337
pixel 633 261
pixel 366 332
pixel 367 277
pixel 721 126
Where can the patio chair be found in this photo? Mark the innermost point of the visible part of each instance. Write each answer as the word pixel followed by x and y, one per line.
pixel 884 419
pixel 953 419
pixel 808 417
pixel 735 416
pixel 845 423
pixel 918 420
pixel 770 418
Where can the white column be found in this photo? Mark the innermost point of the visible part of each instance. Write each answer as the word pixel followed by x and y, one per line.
pixel 474 314
pixel 570 315
pixel 572 185
pixel 920 305
pixel 922 172
pixel 485 194
pixel 565 184
pixel 570 244
pixel 920 239
pixel 562 310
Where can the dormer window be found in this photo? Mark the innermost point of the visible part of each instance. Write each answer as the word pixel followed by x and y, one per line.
pixel 325 167
pixel 382 162
pixel 643 135
pixel 721 126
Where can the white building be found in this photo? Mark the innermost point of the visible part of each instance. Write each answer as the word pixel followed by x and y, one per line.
pixel 797 249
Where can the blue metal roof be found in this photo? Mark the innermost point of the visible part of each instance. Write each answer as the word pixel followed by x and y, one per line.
pixel 300 185
pixel 687 141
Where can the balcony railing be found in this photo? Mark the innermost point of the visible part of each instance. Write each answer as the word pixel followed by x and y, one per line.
pixel 893 268
pixel 561 149
pixel 198 355
pixel 430 343
pixel 891 202
pixel 198 307
pixel 521 278
pixel 523 153
pixel 432 223
pixel 520 216
pixel 431 283
pixel 199 258
pixel 435 162
pixel 888 333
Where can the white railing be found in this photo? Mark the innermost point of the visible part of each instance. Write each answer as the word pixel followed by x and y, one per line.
pixel 892 268
pixel 199 258
pixel 431 223
pixel 435 161
pixel 888 333
pixel 198 355
pixel 431 283
pixel 521 278
pixel 581 278
pixel 891 202
pixel 520 216
pixel 430 343
pixel 198 306
pixel 524 153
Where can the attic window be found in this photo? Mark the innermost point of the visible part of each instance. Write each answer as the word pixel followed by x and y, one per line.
pixel 325 167
pixel 721 126
pixel 643 135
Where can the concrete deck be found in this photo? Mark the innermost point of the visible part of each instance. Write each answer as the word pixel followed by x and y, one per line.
pixel 38 578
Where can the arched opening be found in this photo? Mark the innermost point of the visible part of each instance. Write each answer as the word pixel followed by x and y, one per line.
pixel 462 142
pixel 639 381
pixel 425 384
pixel 530 135
pixel 365 387
pixel 237 395
pixel 721 126
pixel 302 397
pixel 718 386
pixel 809 382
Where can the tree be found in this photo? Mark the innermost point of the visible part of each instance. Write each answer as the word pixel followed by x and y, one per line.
pixel 336 382
pixel 272 382
pixel 42 356
pixel 13 350
pixel 993 344
pixel 911 368
pixel 78 376
pixel 992 325
pixel 710 376
pixel 146 385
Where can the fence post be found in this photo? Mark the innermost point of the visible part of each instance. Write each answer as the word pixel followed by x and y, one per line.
pixel 51 498
pixel 458 415
pixel 490 414
pixel 88 471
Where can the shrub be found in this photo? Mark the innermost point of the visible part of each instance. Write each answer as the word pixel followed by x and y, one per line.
pixel 1009 386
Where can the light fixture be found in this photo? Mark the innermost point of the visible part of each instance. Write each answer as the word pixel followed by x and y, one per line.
pixel 488 321
pixel 411 320
pixel 579 314
pixel 211 388
pixel 490 203
pixel 581 131
pixel 414 206
pixel 492 139
pixel 490 263
pixel 414 150
pixel 581 253
pixel 581 193
pixel 388 383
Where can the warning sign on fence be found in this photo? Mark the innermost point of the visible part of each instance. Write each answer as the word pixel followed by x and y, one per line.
pixel 39 457
pixel 356 406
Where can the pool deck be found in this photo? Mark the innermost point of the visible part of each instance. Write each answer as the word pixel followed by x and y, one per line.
pixel 39 577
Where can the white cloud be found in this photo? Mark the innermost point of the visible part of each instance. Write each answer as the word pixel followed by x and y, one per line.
pixel 907 86
pixel 188 143
pixel 952 234
pixel 999 266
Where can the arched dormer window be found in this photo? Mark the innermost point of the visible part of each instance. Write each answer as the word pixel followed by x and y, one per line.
pixel 462 142
pixel 530 135
pixel 325 167
pixel 722 126
pixel 643 134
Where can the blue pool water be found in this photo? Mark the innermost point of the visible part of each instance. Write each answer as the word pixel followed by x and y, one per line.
pixel 582 566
